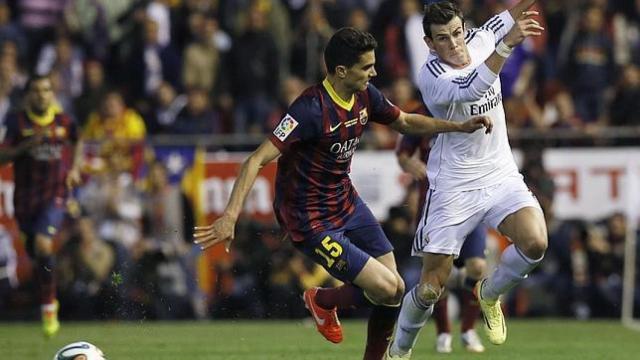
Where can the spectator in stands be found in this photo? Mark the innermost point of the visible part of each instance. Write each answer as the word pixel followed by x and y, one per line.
pixel 166 106
pixel 625 107
pixel 120 131
pixel 10 30
pixel 39 19
pixel 202 57
pixel 93 91
pixel 197 117
pixel 11 80
pixel 151 63
pixel 67 60
pixel 114 120
pixel 605 256
pixel 589 70
pixel 253 71
pixel 168 218
pixel 309 40
pixel 86 265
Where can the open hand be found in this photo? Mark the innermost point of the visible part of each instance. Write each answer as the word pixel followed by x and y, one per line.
pixel 222 230
pixel 525 26
pixel 476 123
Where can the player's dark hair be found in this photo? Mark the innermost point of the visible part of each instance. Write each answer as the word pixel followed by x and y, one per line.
pixel 346 46
pixel 439 13
pixel 33 78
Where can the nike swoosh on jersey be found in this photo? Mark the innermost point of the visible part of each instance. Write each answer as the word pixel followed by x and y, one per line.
pixel 333 128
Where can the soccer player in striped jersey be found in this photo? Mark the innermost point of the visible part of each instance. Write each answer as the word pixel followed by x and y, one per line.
pixel 316 204
pixel 42 142
pixel 471 179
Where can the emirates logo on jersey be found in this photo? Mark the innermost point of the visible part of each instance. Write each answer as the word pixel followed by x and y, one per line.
pixel 364 116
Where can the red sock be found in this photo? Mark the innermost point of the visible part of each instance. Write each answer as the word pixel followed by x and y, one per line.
pixel 441 316
pixel 380 330
pixel 46 279
pixel 343 297
pixel 470 310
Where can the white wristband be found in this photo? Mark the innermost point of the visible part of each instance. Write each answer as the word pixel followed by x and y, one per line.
pixel 503 49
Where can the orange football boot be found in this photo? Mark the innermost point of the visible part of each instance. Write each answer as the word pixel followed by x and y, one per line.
pixel 326 320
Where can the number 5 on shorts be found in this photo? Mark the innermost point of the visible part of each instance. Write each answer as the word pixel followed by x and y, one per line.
pixel 330 250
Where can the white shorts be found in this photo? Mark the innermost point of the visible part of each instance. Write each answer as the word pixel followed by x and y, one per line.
pixel 448 217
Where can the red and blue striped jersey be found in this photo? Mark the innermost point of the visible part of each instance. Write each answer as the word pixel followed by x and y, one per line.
pixel 317 138
pixel 40 173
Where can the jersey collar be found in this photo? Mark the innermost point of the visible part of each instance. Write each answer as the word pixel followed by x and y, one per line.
pixel 46 118
pixel 347 105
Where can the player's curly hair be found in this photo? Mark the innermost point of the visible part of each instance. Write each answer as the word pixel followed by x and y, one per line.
pixel 439 13
pixel 346 46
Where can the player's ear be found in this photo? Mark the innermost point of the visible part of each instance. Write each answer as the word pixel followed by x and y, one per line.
pixel 341 71
pixel 428 41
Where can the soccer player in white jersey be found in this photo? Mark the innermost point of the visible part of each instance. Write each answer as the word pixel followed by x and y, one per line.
pixel 473 178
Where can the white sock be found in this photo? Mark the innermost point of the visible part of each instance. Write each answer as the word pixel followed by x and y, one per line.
pixel 413 315
pixel 512 269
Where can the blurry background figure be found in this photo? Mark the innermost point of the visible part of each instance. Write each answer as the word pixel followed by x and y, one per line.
pixel 164 110
pixel 197 117
pixel 8 265
pixel 253 61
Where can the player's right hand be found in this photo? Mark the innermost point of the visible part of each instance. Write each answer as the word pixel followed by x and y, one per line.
pixel 476 123
pixel 222 230
pixel 525 26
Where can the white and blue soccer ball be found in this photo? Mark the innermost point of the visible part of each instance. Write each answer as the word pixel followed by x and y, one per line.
pixel 71 351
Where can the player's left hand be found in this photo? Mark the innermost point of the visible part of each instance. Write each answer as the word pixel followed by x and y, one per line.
pixel 476 123
pixel 222 230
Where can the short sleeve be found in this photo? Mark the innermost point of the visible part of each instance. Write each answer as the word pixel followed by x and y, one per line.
pixel 302 121
pixel 382 110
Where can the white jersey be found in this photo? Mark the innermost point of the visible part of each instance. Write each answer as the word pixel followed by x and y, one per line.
pixel 460 161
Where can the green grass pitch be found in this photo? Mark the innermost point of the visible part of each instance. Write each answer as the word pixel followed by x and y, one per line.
pixel 527 339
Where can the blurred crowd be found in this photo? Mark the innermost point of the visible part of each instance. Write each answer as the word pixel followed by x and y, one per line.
pixel 130 70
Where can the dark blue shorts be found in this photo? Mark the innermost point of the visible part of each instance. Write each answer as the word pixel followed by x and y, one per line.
pixel 46 222
pixel 344 251
pixel 474 245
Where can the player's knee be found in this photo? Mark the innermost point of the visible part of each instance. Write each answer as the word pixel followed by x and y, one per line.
pixel 535 247
pixel 399 292
pixel 428 293
pixel 384 290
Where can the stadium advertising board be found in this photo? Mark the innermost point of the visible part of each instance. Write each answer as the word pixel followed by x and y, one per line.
pixel 590 183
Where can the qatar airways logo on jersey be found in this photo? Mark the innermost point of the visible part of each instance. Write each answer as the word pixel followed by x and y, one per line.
pixel 344 150
pixel 492 97
pixel 47 152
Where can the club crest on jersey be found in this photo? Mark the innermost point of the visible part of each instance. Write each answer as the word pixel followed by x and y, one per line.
pixel 286 126
pixel 364 117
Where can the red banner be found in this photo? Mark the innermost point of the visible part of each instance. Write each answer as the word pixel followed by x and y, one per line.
pixel 219 177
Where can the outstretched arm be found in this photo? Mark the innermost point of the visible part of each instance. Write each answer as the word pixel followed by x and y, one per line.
pixel 222 230
pixel 410 123
pixel 448 89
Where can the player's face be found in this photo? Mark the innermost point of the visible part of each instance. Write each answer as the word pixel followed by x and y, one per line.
pixel 448 42
pixel 41 95
pixel 357 77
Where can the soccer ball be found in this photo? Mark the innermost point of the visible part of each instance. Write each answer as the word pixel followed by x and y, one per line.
pixel 73 350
